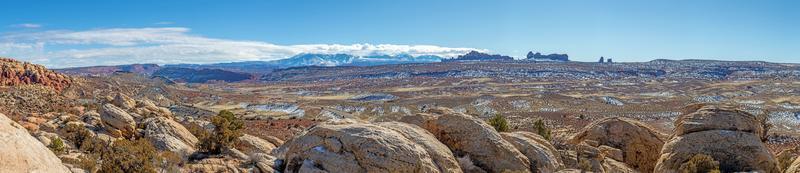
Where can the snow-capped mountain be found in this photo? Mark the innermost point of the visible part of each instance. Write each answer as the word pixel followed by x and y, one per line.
pixel 351 60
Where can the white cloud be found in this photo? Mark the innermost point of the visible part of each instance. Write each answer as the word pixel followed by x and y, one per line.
pixel 164 23
pixel 61 48
pixel 27 25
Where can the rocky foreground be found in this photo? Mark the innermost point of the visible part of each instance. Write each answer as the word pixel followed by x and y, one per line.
pixel 706 138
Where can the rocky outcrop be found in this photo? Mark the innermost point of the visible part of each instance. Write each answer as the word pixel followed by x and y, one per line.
pixel 21 152
pixel 639 143
pixel 13 72
pixel 469 136
pixel 168 135
pixel 123 101
pixel 551 57
pixel 216 165
pixel 355 147
pixel 256 144
pixel 117 119
pixel 441 155
pixel 786 157
pixel 542 155
pixel 794 167
pixel 478 56
pixel 729 136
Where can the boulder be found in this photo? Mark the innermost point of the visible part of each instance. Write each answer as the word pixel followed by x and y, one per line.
pixel 117 118
pixel 468 135
pixel 794 167
pixel 216 165
pixel 441 155
pixel 786 157
pixel 256 144
pixel 712 130
pixel 639 143
pixel 123 101
pixel 264 162
pixel 24 153
pixel 355 148
pixel 168 135
pixel 542 155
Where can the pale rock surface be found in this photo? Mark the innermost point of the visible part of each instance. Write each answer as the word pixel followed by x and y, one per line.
pixel 468 135
pixel 727 135
pixel 123 101
pixel 355 148
pixel 168 135
pixel 21 152
pixel 441 155
pixel 639 143
pixel 256 143
pixel 542 155
pixel 117 118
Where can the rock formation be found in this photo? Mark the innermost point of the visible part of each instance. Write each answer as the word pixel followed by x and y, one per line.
pixel 22 152
pixel 356 147
pixel 543 156
pixel 121 122
pixel 168 135
pixel 469 136
pixel 478 56
pixel 441 155
pixel 256 144
pixel 551 57
pixel 639 143
pixel 13 72
pixel 729 136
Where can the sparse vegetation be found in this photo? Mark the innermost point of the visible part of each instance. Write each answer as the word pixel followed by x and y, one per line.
pixel 542 129
pixel 78 135
pixel 228 129
pixel 56 145
pixel 499 123
pixel 130 156
pixel 700 163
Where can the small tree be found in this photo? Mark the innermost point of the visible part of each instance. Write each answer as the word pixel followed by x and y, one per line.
pixel 77 134
pixel 541 129
pixel 57 146
pixel 499 123
pixel 130 156
pixel 228 129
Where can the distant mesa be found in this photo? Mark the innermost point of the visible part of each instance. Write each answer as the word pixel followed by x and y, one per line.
pixel 551 57
pixel 145 69
pixel 477 56
pixel 201 75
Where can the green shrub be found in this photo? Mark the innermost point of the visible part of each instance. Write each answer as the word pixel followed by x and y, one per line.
pixel 130 156
pixel 499 123
pixel 56 145
pixel 77 134
pixel 228 129
pixel 700 163
pixel 541 129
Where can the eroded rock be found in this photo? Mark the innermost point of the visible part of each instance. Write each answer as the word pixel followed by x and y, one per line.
pixel 467 135
pixel 22 152
pixel 639 143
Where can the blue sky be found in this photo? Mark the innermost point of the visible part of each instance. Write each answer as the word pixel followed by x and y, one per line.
pixel 77 33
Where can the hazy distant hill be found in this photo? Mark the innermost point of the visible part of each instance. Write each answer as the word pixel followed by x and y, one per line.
pixel 146 69
pixel 201 75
